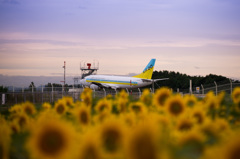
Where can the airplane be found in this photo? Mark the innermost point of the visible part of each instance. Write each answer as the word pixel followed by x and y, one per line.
pixel 96 82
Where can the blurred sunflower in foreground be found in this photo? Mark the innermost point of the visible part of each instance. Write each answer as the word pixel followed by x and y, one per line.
pixel 160 96
pixel 51 138
pixel 236 95
pixel 163 125
pixel 5 138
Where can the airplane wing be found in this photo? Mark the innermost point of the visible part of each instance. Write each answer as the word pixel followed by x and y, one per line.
pixel 160 79
pixel 155 80
pixel 146 80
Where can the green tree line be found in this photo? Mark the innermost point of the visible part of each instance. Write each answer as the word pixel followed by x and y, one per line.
pixel 181 81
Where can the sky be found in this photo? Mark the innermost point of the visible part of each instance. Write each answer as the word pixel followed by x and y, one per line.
pixel 196 37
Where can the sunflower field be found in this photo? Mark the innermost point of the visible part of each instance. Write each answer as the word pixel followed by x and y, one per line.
pixel 163 125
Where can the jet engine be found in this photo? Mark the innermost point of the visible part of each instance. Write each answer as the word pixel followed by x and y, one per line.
pixel 94 87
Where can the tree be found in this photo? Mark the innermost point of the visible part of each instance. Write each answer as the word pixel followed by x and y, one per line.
pixel 32 86
pixel 3 89
pixel 181 81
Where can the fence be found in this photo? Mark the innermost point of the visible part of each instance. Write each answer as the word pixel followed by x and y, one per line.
pixel 52 94
pixel 226 86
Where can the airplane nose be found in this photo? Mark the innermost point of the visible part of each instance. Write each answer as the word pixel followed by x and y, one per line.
pixel 83 82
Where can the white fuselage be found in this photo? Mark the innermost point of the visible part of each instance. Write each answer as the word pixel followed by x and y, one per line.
pixel 114 81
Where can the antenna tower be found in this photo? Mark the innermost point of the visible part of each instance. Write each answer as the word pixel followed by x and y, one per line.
pixel 89 68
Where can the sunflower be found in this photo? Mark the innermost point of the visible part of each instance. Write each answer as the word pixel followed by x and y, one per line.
pixel 185 124
pixel 222 125
pixel 101 117
pixel 163 121
pixel 192 137
pixel 191 145
pixel 220 97
pixel 51 138
pixel 69 101
pixel 82 114
pixel 46 106
pixel 137 107
pixel 5 140
pixel 236 95
pixel 86 96
pixel 209 95
pixel 142 143
pixel 232 148
pixel 211 131
pixel 22 120
pixel 212 103
pixel 121 105
pixel 190 100
pixel 15 110
pixel 198 114
pixel 2 119
pixel 111 135
pixel 128 118
pixel 161 96
pixel 213 152
pixel 175 105
pixel 90 147
pixel 103 105
pixel 122 94
pixel 29 108
pixel 146 97
pixel 60 107
pixel 15 126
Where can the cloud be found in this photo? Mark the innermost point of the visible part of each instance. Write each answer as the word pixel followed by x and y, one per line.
pixel 196 67
pixel 15 2
pixel 24 81
pixel 26 41
pixel 82 7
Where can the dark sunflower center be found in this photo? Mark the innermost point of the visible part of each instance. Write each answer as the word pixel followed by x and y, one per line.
pixel 198 117
pixel 143 147
pixel 84 117
pixel 22 121
pixel 51 142
pixel 237 95
pixel 60 109
pixel 1 151
pixel 69 103
pixel 176 108
pixel 212 105
pixel 122 106
pixel 102 107
pixel 111 140
pixel 28 110
pixel 235 152
pixel 162 98
pixel 136 108
pixel 185 126
pixel 190 103
pixel 87 100
pixel 90 153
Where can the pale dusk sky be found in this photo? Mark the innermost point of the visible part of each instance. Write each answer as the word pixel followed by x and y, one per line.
pixel 196 37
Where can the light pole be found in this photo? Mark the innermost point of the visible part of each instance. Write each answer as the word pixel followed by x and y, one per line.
pixel 216 87
pixel 202 89
pixel 230 86
pixel 64 77
pixel 52 92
